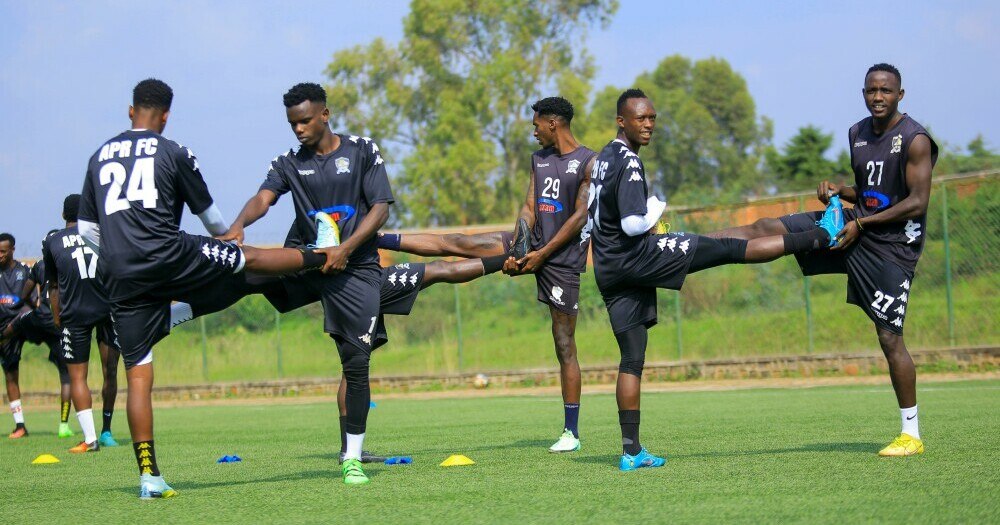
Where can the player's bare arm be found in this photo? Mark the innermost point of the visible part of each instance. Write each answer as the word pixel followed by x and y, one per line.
pixel 54 303
pixel 533 260
pixel 828 189
pixel 918 182
pixel 252 211
pixel 336 256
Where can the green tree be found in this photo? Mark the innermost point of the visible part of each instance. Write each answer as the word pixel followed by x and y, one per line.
pixel 709 143
pixel 803 162
pixel 977 157
pixel 454 97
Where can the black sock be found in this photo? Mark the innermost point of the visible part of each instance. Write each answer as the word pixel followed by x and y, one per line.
pixel 493 264
pixel 311 259
pixel 806 241
pixel 106 425
pixel 343 434
pixel 18 425
pixel 145 456
pixel 629 421
pixel 64 415
pixel 389 241
pixel 571 418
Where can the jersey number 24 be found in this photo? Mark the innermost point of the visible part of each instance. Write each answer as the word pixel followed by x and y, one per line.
pixel 141 185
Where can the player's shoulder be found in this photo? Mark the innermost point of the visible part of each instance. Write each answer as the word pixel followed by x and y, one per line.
pixel 288 157
pixel 858 127
pixel 544 153
pixel 365 146
pixel 911 125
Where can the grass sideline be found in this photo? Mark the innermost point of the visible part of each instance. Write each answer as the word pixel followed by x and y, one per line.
pixel 764 455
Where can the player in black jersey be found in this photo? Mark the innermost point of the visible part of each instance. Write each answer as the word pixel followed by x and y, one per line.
pixel 17 326
pixel 80 307
pixel 630 263
pixel 554 212
pixel 341 194
pixel 892 157
pixel 130 209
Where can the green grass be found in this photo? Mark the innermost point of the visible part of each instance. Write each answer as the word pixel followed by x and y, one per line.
pixel 749 456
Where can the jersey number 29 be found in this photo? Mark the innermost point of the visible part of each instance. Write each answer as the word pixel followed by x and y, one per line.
pixel 141 185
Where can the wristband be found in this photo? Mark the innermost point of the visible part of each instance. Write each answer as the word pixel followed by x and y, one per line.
pixel 857 220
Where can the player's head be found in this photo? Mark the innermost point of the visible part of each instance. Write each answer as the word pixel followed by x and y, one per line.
pixel 636 117
pixel 305 105
pixel 71 207
pixel 150 107
pixel 883 90
pixel 6 248
pixel 551 113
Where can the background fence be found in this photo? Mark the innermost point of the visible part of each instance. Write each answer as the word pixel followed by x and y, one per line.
pixel 495 323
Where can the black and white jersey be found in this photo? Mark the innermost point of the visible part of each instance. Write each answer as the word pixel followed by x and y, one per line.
pixel 11 285
pixel 44 309
pixel 557 182
pixel 345 184
pixel 879 164
pixel 617 190
pixel 73 266
pixel 136 187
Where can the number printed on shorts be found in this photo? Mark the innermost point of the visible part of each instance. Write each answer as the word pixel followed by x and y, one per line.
pixel 879 297
pixel 87 268
pixel 141 185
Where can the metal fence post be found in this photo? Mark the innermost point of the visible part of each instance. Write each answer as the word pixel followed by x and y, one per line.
pixel 277 341
pixel 807 295
pixel 204 349
pixel 677 321
pixel 947 265
pixel 458 326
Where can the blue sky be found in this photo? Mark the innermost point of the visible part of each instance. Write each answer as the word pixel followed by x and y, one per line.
pixel 67 69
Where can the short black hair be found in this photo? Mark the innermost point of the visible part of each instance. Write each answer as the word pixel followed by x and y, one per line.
pixel 626 95
pixel 555 106
pixel 888 68
pixel 152 93
pixel 304 91
pixel 7 237
pixel 71 207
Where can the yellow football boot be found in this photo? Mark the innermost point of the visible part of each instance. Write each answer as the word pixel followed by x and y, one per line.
pixel 904 445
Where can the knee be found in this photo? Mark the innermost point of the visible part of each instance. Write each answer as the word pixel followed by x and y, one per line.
pixel 767 226
pixel 565 348
pixel 892 344
pixel 632 363
pixel 355 364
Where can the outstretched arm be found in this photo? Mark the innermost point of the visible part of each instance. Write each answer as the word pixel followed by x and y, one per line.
pixel 253 210
pixel 918 182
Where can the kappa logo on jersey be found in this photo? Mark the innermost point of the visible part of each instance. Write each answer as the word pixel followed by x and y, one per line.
pixel 306 172
pixel 901 310
pixel 897 144
pixel 556 295
pixel 665 242
pixel 343 165
pixel 549 206
pixel 875 200
pixel 860 143
pixel 905 284
pixel 684 245
pixel 365 338
pixel 903 297
pixel 413 279
pixel 546 165
pixel 354 138
pixel 225 256
pixel 912 231
pixel 340 212
pixel 633 163
pixel 635 177
pixel 898 322
pixel 572 166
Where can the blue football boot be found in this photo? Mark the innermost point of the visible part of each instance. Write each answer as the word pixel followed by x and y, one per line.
pixel 641 460
pixel 833 219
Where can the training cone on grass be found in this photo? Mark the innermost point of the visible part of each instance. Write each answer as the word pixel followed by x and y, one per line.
pixel 457 460
pixel 45 459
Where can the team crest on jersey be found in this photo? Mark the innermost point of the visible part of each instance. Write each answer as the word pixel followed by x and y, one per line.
pixel 343 165
pixel 897 144
pixel 912 231
pixel 572 166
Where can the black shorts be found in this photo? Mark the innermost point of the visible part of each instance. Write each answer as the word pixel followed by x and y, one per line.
pixel 10 352
pixel 559 288
pixel 75 340
pixel 140 322
pixel 401 285
pixel 350 303
pixel 878 286
pixel 659 261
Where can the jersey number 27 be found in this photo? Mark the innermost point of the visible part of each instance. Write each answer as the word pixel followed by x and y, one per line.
pixel 141 185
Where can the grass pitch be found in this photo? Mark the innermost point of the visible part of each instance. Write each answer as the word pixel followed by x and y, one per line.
pixel 766 455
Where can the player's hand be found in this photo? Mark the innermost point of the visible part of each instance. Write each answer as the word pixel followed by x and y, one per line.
pixel 336 258
pixel 532 261
pixel 235 234
pixel 847 236
pixel 827 189
pixel 510 267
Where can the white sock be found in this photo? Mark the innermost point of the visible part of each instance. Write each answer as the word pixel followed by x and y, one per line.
pixel 354 443
pixel 180 313
pixel 909 416
pixel 86 419
pixel 15 409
